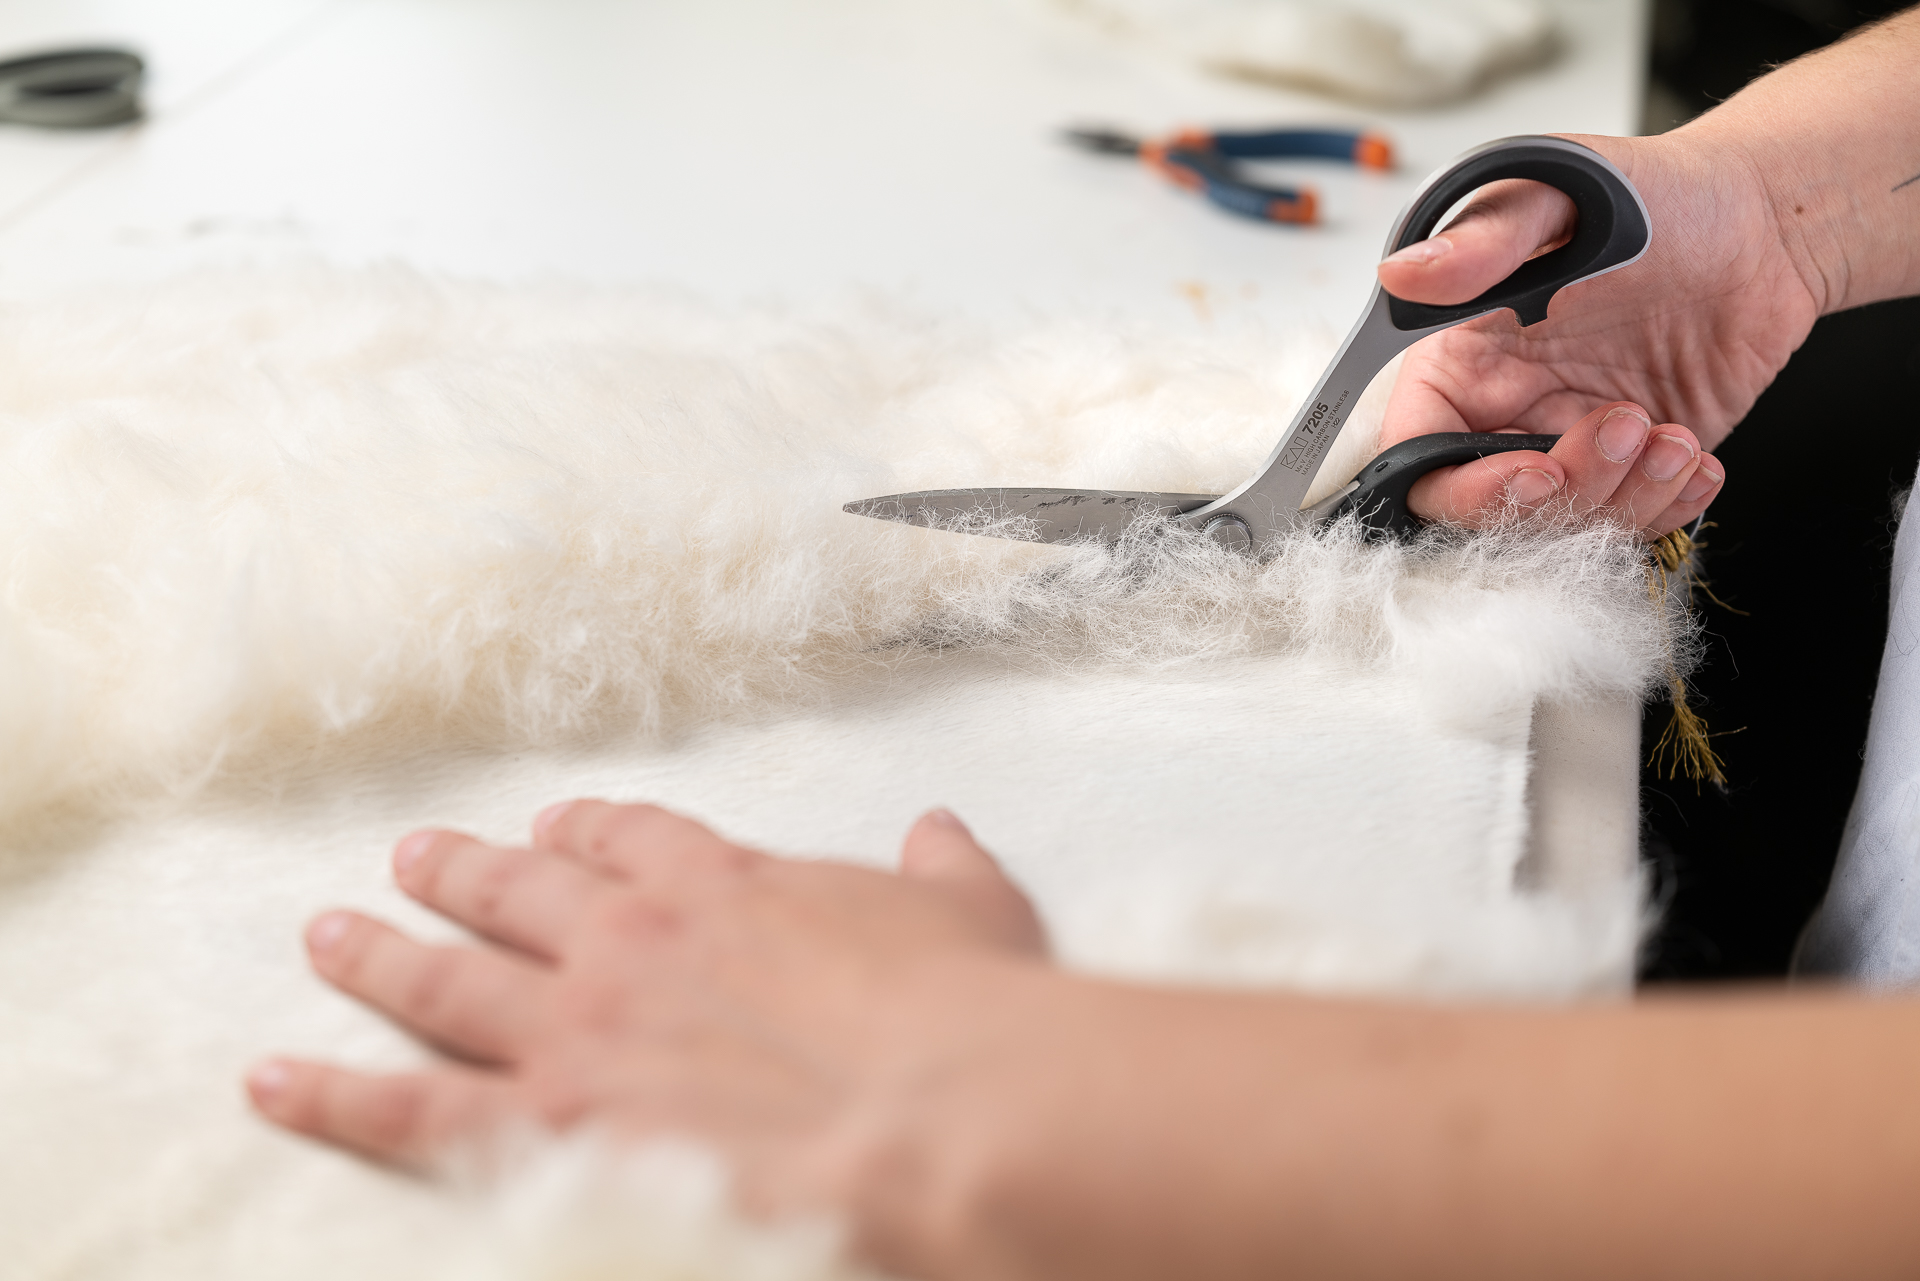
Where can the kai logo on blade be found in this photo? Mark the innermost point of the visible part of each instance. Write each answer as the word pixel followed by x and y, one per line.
pixel 1304 450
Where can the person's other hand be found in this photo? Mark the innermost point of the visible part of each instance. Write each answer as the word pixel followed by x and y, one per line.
pixel 1692 333
pixel 644 975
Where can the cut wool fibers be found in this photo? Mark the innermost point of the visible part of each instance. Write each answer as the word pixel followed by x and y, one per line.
pixel 249 518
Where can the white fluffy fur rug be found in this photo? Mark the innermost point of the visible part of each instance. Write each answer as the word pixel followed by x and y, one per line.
pixel 295 563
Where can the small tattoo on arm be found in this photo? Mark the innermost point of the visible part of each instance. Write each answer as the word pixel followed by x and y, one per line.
pixel 1909 182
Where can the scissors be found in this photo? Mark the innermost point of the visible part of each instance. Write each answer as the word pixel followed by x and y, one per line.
pixel 1205 161
pixel 1613 231
pixel 71 88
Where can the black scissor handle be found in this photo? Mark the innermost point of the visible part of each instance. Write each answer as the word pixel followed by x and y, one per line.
pixel 1612 231
pixel 1381 499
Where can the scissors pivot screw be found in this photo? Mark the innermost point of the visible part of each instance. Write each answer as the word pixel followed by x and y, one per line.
pixel 1230 532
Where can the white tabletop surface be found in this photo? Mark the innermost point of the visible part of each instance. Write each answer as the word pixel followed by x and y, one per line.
pixel 740 148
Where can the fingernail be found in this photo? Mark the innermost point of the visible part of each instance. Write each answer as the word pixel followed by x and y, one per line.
pixel 545 818
pixel 946 818
pixel 1424 252
pixel 266 1080
pixel 1620 434
pixel 328 930
pixel 408 851
pixel 1665 457
pixel 1700 484
pixel 1529 487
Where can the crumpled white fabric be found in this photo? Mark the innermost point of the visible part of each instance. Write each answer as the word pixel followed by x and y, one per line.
pixel 1392 53
pixel 1868 927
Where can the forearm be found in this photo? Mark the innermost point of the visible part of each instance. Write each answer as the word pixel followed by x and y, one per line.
pixel 1834 138
pixel 1150 1134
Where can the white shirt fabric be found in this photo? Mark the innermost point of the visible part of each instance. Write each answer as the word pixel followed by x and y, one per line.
pixel 1869 927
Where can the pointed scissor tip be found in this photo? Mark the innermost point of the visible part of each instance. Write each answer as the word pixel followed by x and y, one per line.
pixel 894 507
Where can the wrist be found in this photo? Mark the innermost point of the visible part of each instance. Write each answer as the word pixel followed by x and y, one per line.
pixel 1749 158
pixel 941 1121
pixel 1828 141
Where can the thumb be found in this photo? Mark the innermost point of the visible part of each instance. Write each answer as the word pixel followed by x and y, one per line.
pixel 1505 224
pixel 939 848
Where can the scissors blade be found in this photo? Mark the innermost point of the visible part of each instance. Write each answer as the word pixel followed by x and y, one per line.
pixel 1031 515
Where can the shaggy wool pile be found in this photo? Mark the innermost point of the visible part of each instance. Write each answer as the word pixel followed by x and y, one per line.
pixel 296 563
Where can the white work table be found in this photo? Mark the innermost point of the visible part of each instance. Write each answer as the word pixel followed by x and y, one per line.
pixel 749 149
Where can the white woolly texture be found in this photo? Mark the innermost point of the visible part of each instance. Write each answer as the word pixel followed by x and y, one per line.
pixel 587 1210
pixel 578 1208
pixel 241 521
pixel 294 564
pixel 1392 53
pixel 1557 609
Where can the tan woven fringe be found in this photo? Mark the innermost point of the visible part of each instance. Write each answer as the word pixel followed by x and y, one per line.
pixel 1685 745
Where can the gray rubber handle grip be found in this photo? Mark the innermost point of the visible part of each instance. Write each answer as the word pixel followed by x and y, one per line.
pixel 1381 499
pixel 1612 228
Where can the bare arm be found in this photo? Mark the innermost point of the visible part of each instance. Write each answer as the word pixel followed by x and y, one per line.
pixel 897 1048
pixel 1834 140
pixel 1179 1134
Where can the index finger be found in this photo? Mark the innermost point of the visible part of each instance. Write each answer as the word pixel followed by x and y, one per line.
pixel 641 844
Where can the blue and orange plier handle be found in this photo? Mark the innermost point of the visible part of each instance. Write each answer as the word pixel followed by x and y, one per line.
pixel 1206 162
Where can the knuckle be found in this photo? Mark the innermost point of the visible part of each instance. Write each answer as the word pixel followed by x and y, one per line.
pixel 497 881
pixel 644 920
pixel 427 873
pixel 558 1098
pixel 694 864
pixel 574 824
pixel 431 992
pixel 672 843
pixel 396 1114
pixel 600 831
pixel 647 824
pixel 735 860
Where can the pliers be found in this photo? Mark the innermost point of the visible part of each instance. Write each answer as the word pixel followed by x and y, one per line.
pixel 1206 161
